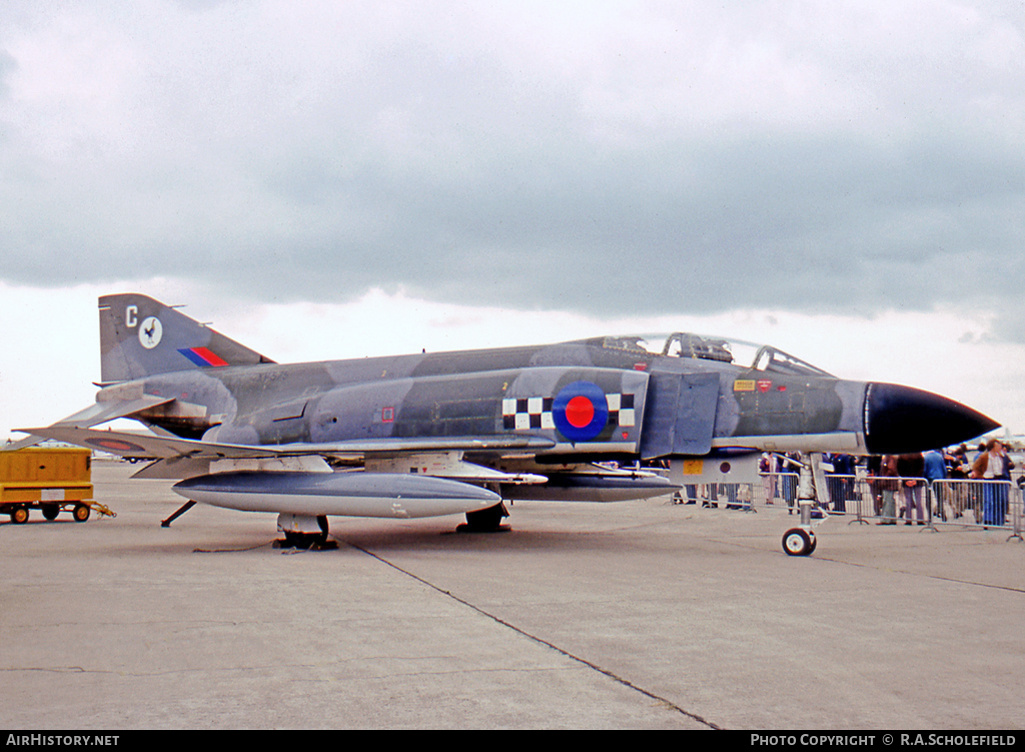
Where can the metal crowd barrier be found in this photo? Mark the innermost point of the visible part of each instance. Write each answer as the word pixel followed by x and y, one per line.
pixel 779 489
pixel 722 495
pixel 774 489
pixel 984 504
pixel 978 503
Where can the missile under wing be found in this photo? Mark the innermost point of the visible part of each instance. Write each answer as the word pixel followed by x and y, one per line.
pixel 458 432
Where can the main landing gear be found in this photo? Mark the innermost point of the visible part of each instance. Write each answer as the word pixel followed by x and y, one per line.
pixel 304 533
pixel 486 521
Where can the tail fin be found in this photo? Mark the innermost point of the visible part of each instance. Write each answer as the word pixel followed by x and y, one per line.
pixel 140 336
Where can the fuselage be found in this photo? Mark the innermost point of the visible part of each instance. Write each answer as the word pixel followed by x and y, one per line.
pixel 637 404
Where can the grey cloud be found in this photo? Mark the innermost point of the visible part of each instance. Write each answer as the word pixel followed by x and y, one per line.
pixel 8 65
pixel 456 160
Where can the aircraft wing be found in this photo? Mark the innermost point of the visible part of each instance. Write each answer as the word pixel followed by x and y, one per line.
pixel 147 446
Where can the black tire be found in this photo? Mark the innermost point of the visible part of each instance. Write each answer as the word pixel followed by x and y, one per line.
pixel 798 542
pixel 50 511
pixel 19 515
pixel 81 512
pixel 486 520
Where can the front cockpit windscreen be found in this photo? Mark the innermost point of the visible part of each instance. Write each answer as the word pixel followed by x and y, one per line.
pixel 703 347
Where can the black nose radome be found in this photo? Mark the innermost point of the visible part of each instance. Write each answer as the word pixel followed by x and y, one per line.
pixel 900 419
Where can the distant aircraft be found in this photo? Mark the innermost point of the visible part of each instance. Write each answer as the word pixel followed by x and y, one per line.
pixel 459 432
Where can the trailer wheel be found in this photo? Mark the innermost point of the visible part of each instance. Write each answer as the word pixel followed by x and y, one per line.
pixel 50 511
pixel 19 515
pixel 81 512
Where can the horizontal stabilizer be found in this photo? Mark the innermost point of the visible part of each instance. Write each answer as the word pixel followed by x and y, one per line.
pixel 101 412
pixel 97 413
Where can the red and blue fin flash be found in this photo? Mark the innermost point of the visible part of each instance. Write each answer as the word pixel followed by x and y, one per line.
pixel 203 357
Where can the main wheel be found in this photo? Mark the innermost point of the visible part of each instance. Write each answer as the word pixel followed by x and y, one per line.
pixel 19 515
pixel 301 541
pixel 798 542
pixel 81 512
pixel 485 520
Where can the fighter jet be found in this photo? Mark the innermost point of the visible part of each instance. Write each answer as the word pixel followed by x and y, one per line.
pixel 460 432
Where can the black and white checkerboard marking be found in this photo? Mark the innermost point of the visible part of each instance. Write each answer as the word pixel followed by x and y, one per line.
pixel 532 413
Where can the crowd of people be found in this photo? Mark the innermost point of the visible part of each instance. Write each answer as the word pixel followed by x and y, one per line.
pixel 900 484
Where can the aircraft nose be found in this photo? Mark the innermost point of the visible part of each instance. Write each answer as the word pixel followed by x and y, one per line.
pixel 901 419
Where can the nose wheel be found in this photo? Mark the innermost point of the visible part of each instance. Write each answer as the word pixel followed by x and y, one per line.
pixel 799 542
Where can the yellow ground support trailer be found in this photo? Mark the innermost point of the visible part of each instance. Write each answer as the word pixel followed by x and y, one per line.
pixel 50 479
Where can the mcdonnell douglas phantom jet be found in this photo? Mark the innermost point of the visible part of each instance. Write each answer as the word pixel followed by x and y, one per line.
pixel 459 432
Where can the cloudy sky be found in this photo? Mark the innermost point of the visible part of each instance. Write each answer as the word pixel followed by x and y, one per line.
pixel 334 179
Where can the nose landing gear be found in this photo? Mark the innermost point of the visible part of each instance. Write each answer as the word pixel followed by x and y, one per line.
pixel 799 542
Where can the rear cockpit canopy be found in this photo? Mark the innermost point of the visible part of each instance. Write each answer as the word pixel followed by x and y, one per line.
pixel 702 347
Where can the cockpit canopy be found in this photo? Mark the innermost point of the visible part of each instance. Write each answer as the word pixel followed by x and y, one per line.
pixel 703 347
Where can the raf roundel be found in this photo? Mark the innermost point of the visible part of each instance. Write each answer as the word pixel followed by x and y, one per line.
pixel 115 445
pixel 580 411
